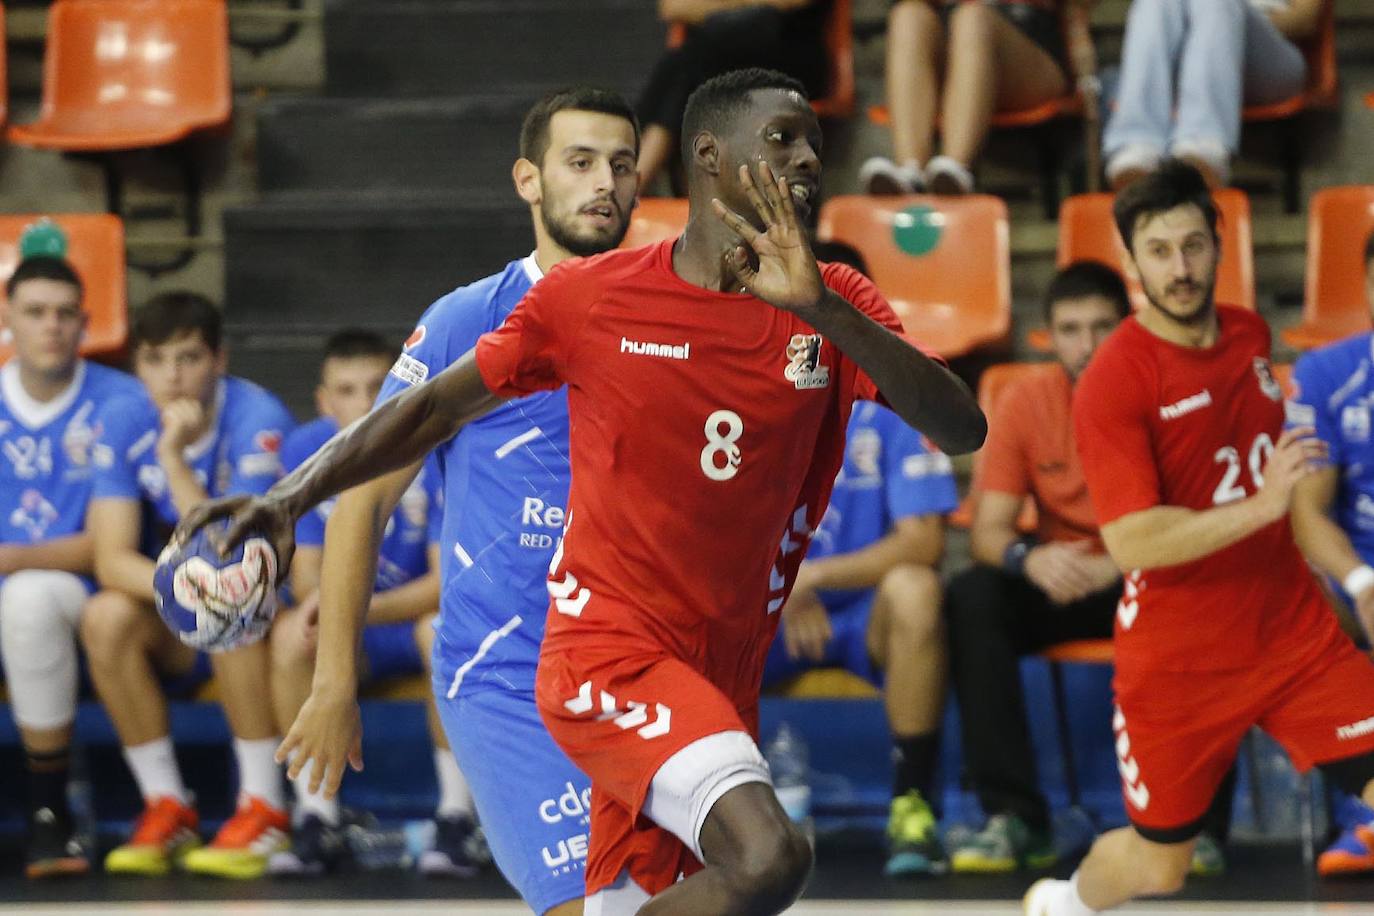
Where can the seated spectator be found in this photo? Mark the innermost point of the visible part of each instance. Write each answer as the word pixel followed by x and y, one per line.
pixel 1333 519
pixel 724 35
pixel 195 433
pixel 1027 592
pixel 49 400
pixel 962 61
pixel 867 598
pixel 400 633
pixel 1187 67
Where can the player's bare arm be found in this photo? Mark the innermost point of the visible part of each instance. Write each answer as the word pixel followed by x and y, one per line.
pixel 924 393
pixel 183 422
pixel 1323 542
pixel 73 554
pixel 1169 535
pixel 115 526
pixel 397 433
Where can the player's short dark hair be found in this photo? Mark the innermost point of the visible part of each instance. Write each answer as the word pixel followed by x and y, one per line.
pixel 1174 183
pixel 534 132
pixel 354 342
pixel 718 101
pixel 1085 278
pixel 171 314
pixel 42 267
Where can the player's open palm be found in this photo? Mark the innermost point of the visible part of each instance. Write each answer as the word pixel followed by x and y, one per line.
pixel 1297 454
pixel 328 731
pixel 776 264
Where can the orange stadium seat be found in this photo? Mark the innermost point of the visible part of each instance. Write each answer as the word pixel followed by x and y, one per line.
pixel 126 74
pixel 655 219
pixel 1339 221
pixel 991 384
pixel 1087 230
pixel 839 42
pixel 95 247
pixel 943 262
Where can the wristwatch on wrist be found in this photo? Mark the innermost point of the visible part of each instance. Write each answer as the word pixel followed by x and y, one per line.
pixel 1014 557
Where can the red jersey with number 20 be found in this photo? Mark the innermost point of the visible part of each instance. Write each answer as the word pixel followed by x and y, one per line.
pixel 706 432
pixel 1158 424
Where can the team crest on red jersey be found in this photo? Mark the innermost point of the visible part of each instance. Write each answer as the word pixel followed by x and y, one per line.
pixel 803 362
pixel 1268 384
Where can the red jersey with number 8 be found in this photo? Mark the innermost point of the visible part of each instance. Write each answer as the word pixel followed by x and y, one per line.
pixel 707 429
pixel 1158 424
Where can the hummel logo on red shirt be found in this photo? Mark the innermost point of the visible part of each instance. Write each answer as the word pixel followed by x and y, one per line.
pixel 667 351
pixel 1186 406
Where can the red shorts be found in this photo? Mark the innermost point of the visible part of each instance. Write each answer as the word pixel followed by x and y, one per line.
pixel 1177 733
pixel 619 714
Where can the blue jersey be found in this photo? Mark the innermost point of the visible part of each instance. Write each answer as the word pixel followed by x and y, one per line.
pixel 1334 392
pixel 889 473
pixel 410 530
pixel 505 486
pixel 46 477
pixel 241 453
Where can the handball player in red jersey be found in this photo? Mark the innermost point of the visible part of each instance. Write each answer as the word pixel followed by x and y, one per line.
pixel 710 380
pixel 1179 423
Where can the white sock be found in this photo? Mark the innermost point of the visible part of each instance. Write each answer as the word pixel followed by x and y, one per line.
pixel 1070 904
pixel 154 765
pixel 307 802
pixel 454 796
pixel 259 774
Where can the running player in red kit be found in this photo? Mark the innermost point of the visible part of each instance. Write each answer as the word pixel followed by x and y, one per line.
pixel 1221 625
pixel 710 380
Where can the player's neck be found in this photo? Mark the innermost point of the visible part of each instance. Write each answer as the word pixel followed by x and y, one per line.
pixel 1197 335
pixel 548 254
pixel 697 254
pixel 46 386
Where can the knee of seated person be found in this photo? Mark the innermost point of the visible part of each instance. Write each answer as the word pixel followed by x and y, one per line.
pixel 972 22
pixel 23 598
pixel 109 624
pixel 772 868
pixel 287 646
pixel 912 594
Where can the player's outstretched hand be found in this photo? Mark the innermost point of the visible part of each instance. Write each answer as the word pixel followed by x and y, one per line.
pixel 328 730
pixel 246 514
pixel 776 264
pixel 1297 454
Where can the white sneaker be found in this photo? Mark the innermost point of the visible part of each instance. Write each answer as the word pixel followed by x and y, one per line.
pixel 880 175
pixel 1042 895
pixel 1209 156
pixel 1131 162
pixel 948 176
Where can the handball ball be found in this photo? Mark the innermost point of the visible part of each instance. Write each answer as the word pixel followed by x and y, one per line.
pixel 217 604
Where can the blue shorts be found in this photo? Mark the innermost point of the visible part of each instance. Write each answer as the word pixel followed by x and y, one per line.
pixel 535 806
pixel 389 650
pixel 848 649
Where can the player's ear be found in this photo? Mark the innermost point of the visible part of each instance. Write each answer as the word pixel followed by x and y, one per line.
pixel 319 401
pixel 1128 266
pixel 706 152
pixel 527 182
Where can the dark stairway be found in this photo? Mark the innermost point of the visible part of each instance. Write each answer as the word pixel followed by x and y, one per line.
pixel 394 186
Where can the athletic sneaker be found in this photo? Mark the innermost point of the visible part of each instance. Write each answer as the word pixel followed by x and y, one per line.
pixel 949 177
pixel 1209 860
pixel 913 839
pixel 455 850
pixel 55 847
pixel 1004 845
pixel 881 176
pixel 316 847
pixel 245 842
pixel 1352 853
pixel 163 835
pixel 1042 897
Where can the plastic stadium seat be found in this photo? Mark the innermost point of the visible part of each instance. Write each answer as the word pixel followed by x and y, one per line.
pixel 655 219
pixel 1082 652
pixel 994 381
pixel 1338 222
pixel 839 42
pixel 1283 374
pixel 943 262
pixel 1068 106
pixel 95 247
pixel 126 74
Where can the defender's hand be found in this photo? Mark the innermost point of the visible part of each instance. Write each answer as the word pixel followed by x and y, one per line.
pixel 786 275
pixel 1297 454
pixel 246 514
pixel 328 730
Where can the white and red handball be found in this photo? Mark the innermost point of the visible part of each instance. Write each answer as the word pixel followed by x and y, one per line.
pixel 216 604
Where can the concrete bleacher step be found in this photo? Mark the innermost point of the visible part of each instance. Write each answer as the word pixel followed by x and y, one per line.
pixel 462 145
pixel 450 47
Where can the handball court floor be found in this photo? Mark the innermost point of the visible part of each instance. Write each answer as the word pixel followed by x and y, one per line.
pixel 1262 880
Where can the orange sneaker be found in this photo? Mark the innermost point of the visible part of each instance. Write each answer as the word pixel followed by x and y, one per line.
pixel 163 834
pixel 1352 853
pixel 245 842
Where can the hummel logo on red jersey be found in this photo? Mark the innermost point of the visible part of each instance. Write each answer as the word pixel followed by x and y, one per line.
pixel 666 351
pixel 1186 406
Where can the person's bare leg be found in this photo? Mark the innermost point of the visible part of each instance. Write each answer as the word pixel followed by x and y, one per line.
pixel 915 45
pixel 757 860
pixel 292 660
pixel 1123 865
pixel 992 67
pixel 907 636
pixel 39 741
pixel 244 677
pixel 424 641
pixel 125 642
pixel 656 147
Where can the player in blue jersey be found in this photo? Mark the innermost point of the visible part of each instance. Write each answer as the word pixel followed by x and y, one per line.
pixel 400 632
pixel 195 433
pixel 867 598
pixel 506 482
pixel 49 402
pixel 1333 518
